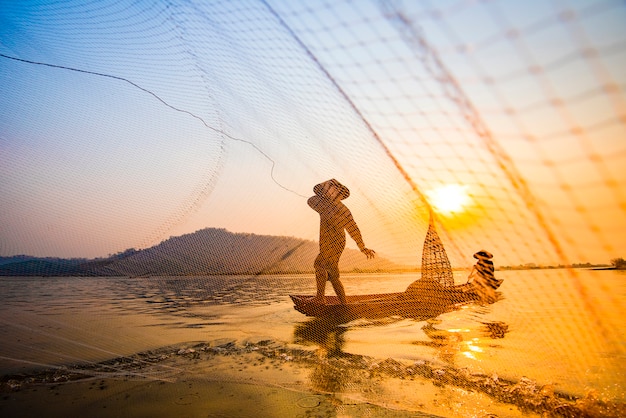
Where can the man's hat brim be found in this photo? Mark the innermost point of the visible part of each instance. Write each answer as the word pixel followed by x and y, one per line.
pixel 344 192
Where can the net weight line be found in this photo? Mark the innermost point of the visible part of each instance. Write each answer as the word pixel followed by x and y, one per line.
pixel 160 99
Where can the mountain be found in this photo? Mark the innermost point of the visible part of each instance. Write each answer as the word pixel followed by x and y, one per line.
pixel 204 252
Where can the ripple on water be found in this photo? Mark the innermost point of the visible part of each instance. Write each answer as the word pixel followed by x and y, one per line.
pixel 309 402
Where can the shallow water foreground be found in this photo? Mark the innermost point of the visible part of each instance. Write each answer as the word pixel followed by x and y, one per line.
pixel 235 347
pixel 266 379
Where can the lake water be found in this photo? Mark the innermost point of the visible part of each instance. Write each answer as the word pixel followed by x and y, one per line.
pixel 556 327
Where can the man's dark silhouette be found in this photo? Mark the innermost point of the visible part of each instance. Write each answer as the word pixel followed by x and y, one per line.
pixel 335 219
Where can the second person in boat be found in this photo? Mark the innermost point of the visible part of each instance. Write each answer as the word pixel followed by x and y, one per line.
pixel 483 278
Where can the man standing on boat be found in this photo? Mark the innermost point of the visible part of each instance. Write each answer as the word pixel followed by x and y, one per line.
pixel 335 219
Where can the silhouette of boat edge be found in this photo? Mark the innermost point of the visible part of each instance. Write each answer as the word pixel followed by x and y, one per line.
pixel 425 302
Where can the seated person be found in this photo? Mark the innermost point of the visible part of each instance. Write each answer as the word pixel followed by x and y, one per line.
pixel 482 276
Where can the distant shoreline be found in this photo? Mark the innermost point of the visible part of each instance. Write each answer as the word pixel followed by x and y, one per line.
pixel 216 251
pixel 278 273
pixel 581 266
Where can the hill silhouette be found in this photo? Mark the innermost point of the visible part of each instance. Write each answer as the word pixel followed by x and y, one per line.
pixel 205 252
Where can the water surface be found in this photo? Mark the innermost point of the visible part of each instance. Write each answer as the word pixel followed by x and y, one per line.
pixel 556 327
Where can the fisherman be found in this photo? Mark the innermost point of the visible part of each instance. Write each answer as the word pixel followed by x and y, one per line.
pixel 483 278
pixel 335 219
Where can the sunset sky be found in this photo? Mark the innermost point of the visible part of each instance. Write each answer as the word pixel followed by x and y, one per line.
pixel 125 123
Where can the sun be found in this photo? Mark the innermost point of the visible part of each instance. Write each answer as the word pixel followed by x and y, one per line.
pixel 449 199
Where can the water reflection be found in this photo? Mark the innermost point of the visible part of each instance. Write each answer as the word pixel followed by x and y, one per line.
pixel 450 342
pixel 495 329
pixel 334 368
pixel 327 333
pixel 329 374
pixel 446 342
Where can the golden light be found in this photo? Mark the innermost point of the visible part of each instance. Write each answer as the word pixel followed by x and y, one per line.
pixel 448 199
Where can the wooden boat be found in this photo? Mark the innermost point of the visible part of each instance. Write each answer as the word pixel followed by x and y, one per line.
pixel 433 294
pixel 422 304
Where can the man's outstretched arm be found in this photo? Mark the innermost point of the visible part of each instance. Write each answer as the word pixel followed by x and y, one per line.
pixel 355 234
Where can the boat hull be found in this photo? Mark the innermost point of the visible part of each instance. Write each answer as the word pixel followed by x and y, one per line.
pixel 419 305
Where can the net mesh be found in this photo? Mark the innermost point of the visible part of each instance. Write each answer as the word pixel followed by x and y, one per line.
pixel 183 138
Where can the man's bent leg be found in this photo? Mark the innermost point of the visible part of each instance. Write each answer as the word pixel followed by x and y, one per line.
pixel 333 276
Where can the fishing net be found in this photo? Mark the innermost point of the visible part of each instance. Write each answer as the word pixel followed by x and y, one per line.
pixel 435 264
pixel 176 144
